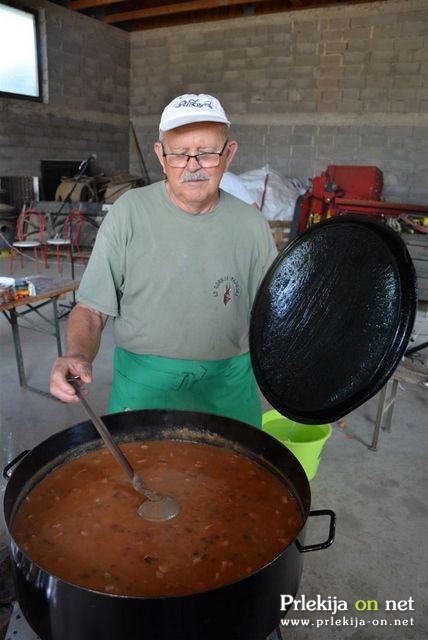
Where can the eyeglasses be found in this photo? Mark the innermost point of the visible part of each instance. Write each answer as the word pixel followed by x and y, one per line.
pixel 204 160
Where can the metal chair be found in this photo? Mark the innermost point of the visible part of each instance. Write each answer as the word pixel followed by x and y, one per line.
pixel 73 225
pixel 60 244
pixel 407 372
pixel 68 241
pixel 30 233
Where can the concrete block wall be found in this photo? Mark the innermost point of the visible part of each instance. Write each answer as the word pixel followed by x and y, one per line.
pixel 341 85
pixel 85 103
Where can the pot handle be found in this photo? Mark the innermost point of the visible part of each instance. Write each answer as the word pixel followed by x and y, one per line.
pixel 331 533
pixel 8 467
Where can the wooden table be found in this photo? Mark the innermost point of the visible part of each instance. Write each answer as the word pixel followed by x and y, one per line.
pixel 48 290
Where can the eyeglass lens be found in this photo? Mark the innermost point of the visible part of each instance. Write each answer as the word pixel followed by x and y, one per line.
pixel 205 160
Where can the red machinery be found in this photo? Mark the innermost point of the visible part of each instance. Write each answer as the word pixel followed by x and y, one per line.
pixel 350 189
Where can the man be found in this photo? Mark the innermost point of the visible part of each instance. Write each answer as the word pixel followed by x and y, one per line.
pixel 176 265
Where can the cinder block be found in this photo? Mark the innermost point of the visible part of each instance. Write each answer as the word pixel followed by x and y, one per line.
pixel 235 63
pixel 332 35
pixel 278 83
pixel 333 60
pixel 325 84
pixel 257 63
pixel 404 82
pixel 355 57
pixel 386 29
pixel 304 59
pixel 358 45
pixel 373 94
pixel 406 68
pixel 376 138
pixel 298 153
pixel 302 140
pixel 379 68
pixel 348 140
pixel 323 150
pixel 376 81
pixel 299 72
pixel 353 82
pixel 352 70
pixel 409 43
pixel 358 33
pixel 274 132
pixel 377 106
pixel 383 55
pixel 301 170
pixel 358 22
pixel 324 130
pixel 402 94
pixel 351 94
pixel 334 47
pixel 252 52
pixel 305 47
pixel 339 23
pixel 381 44
pixel 331 96
pixel 328 107
pixel 413 55
pixel 404 166
pixel 275 51
pixel 305 130
pixel 332 72
pixel 417 27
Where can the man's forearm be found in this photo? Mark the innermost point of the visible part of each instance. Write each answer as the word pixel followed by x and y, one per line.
pixel 84 329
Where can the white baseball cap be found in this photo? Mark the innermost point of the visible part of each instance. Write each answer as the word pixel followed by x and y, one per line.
pixel 192 107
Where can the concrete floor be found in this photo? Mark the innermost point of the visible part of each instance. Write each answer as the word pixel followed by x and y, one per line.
pixel 380 498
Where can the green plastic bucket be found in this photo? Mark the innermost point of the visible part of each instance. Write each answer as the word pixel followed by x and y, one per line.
pixel 305 441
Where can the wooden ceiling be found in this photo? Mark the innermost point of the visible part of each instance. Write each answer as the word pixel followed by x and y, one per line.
pixel 136 15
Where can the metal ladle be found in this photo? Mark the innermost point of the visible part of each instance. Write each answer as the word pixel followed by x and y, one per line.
pixel 157 507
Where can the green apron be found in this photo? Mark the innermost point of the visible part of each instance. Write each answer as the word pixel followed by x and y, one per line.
pixel 222 387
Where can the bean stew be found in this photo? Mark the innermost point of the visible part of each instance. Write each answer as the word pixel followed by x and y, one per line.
pixel 80 522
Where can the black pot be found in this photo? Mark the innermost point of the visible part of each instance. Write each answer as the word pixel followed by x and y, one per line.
pixel 246 609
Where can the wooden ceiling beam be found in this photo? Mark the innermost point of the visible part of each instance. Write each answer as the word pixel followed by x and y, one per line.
pixel 187 18
pixel 174 9
pixel 79 5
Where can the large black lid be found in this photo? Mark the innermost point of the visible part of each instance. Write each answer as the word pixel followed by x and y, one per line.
pixel 332 318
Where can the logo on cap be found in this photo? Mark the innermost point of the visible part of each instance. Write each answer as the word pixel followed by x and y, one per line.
pixel 194 102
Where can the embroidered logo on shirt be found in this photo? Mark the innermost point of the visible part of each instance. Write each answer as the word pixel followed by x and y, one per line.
pixel 227 297
pixel 226 288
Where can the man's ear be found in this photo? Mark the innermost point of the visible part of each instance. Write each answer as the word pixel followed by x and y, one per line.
pixel 159 152
pixel 231 151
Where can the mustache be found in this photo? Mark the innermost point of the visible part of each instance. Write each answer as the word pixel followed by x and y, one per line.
pixel 192 176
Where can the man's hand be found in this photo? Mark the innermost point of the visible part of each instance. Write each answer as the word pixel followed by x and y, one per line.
pixel 64 367
pixel 84 329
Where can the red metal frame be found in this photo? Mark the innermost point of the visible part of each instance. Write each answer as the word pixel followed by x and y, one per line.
pixel 328 198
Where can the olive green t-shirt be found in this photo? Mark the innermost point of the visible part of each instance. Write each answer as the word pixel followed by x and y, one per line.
pixel 178 285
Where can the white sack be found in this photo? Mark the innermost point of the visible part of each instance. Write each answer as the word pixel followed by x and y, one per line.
pixel 281 193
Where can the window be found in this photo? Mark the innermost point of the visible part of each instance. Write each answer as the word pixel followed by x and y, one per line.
pixel 19 53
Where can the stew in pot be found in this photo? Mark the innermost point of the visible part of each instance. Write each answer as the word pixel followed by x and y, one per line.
pixel 80 522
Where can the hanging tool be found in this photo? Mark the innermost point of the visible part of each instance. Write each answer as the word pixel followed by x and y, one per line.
pixel 143 167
